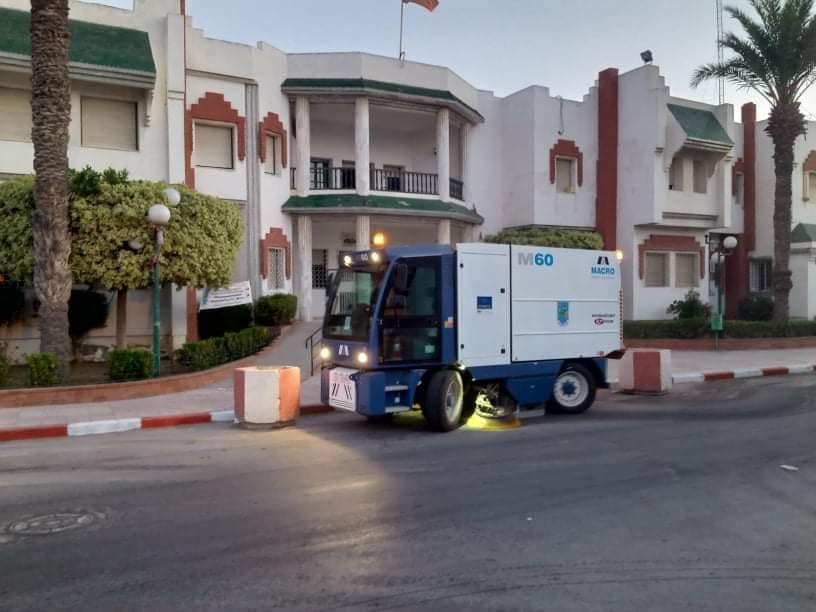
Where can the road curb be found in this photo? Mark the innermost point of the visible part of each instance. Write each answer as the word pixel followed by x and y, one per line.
pixel 694 377
pixel 89 428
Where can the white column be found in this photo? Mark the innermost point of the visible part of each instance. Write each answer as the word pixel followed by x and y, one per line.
pixel 363 232
pixel 362 148
pixel 467 163
pixel 443 232
pixel 304 261
pixel 443 153
pixel 303 154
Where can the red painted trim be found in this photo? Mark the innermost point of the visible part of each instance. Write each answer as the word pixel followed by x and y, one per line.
pixel 30 433
pixel 567 148
pixel 778 371
pixel 172 420
pixel 275 237
pixel 211 107
pixel 681 244
pixel 718 376
pixel 606 180
pixel 271 124
pixel 810 162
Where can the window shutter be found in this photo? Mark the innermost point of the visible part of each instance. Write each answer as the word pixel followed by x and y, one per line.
pixel 685 265
pixel 109 124
pixel 15 116
pixel 656 269
pixel 213 146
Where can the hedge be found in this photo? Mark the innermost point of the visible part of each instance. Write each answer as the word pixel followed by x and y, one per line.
pixel 43 369
pixel 278 309
pixel 549 237
pixel 212 352
pixel 5 368
pixel 219 321
pixel 701 328
pixel 130 364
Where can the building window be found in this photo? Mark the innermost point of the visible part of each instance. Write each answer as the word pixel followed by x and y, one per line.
pixel 15 118
pixel 657 269
pixel 109 124
pixel 811 186
pixel 685 269
pixel 319 173
pixel 277 270
pixel 564 175
pixel 760 274
pixel 271 164
pixel 213 146
pixel 676 174
pixel 347 176
pixel 700 177
pixel 319 268
pixel 393 177
pixel 739 188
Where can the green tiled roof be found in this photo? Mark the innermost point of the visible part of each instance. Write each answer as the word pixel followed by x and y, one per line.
pixel 699 124
pixel 371 85
pixel 804 232
pixel 385 204
pixel 91 43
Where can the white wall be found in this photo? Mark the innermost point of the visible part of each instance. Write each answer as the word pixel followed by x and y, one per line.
pixel 518 154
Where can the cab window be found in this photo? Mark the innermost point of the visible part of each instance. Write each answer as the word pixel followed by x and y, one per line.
pixel 410 313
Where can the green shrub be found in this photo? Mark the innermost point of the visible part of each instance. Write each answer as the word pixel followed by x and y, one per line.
pixel 549 237
pixel 12 302
pixel 675 328
pixel 220 321
pixel 5 368
pixel 87 310
pixel 755 307
pixel 690 307
pixel 130 364
pixel 278 309
pixel 43 369
pixel 212 352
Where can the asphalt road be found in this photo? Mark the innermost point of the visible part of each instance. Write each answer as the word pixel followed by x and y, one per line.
pixel 642 504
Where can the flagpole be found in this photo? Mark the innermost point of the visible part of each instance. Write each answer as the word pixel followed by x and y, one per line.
pixel 402 21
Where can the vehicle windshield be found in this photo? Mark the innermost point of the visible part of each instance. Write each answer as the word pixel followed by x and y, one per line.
pixel 353 297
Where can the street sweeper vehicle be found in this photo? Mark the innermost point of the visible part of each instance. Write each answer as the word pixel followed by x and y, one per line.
pixel 492 328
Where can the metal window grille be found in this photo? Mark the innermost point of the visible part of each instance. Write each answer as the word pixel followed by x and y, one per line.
pixel 277 275
pixel 319 268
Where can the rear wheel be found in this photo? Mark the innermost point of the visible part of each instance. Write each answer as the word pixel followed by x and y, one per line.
pixel 444 399
pixel 573 391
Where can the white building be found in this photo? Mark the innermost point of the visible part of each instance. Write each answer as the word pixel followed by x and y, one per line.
pixel 320 151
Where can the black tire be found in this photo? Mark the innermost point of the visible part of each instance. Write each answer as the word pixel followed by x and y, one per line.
pixel 444 399
pixel 566 398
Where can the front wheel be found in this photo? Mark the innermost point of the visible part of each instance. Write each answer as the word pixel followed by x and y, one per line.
pixel 573 391
pixel 444 399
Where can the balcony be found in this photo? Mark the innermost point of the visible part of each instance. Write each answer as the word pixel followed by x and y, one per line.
pixel 325 178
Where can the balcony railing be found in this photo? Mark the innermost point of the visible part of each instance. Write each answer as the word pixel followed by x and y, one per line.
pixel 456 189
pixel 403 182
pixel 331 178
pixel 398 181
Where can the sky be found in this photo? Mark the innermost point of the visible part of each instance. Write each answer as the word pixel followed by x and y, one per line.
pixel 499 45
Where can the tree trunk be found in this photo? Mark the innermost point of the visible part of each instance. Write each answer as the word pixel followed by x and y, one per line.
pixel 785 124
pixel 51 115
pixel 121 318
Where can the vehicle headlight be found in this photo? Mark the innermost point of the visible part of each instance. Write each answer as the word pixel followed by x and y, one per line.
pixel 325 353
pixel 362 358
pixel 375 257
pixel 347 260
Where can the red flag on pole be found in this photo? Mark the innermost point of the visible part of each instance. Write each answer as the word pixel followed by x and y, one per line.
pixel 428 4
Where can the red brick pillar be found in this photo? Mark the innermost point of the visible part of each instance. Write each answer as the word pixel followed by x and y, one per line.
pixel 606 200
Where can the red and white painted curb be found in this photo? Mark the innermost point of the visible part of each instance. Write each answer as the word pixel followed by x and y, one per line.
pixel 88 428
pixel 744 373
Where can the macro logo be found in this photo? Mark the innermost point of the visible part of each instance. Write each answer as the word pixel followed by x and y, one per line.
pixel 536 259
pixel 603 268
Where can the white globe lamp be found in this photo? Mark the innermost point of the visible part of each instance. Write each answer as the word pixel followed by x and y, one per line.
pixel 158 215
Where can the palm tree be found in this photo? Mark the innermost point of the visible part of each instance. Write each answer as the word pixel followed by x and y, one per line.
pixel 777 59
pixel 51 115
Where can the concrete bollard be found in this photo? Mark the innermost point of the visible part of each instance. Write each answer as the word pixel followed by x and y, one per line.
pixel 267 397
pixel 646 371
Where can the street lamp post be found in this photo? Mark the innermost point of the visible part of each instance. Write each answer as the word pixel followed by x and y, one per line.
pixel 724 247
pixel 159 216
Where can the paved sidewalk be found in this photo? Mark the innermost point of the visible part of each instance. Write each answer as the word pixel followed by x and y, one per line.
pixel 290 350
